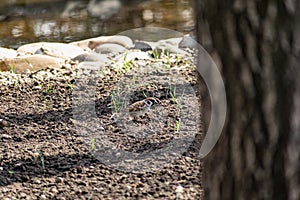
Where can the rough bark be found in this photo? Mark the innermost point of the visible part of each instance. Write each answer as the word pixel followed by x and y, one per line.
pixel 256 46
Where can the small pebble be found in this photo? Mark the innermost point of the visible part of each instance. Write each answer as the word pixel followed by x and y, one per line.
pixel 6 136
pixel 43 197
pixel 22 194
pixel 59 180
pixel 179 189
pixel 142 46
pixel 3 123
pixel 54 190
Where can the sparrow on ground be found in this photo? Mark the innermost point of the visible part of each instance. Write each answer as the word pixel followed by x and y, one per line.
pixel 137 108
pixel 141 107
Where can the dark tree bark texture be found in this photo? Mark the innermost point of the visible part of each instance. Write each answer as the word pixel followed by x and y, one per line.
pixel 256 45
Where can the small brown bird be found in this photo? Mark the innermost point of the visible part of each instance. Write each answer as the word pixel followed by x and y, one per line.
pixel 141 107
pixel 136 109
pixel 3 123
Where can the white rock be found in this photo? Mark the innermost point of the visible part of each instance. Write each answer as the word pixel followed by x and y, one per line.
pixel 92 57
pixel 30 62
pixel 92 43
pixel 7 53
pixel 179 189
pixel 133 56
pixel 60 50
pixel 110 48
pixel 95 66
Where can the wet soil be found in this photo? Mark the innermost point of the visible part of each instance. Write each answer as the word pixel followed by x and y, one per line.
pixel 44 155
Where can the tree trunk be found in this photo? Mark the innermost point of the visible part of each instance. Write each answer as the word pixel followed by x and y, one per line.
pixel 256 45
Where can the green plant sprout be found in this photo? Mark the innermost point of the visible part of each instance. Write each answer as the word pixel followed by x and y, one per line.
pixel 101 73
pixel 168 64
pixel 41 150
pixel 127 65
pixel 145 95
pixel 12 68
pixel 48 90
pixel 10 172
pixel 42 161
pixel 27 61
pixel 174 95
pixel 177 126
pixel 116 100
pixel 155 54
pixel 41 155
pixel 93 144
pixel 70 85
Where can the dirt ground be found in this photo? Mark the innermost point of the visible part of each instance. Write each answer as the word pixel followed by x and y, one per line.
pixel 44 156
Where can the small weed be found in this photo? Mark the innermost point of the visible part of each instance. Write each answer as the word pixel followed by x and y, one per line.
pixel 145 95
pixel 168 64
pixel 70 85
pixel 12 68
pixel 93 144
pixel 151 196
pixel 10 172
pixel 48 90
pixel 127 65
pixel 155 54
pixel 42 161
pixel 41 156
pixel 173 95
pixel 27 61
pixel 116 100
pixel 177 126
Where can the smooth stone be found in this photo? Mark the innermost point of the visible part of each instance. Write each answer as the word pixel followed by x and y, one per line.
pixel 108 48
pixel 7 53
pixel 188 42
pixel 92 43
pixel 59 50
pixel 30 63
pixel 143 46
pixel 170 45
pixel 170 41
pixel 92 57
pixel 134 56
pixel 170 48
pixel 90 66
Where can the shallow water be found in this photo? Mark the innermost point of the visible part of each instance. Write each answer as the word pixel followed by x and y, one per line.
pixel 65 21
